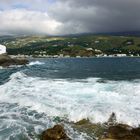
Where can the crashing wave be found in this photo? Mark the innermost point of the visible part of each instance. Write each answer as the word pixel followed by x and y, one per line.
pixel 75 100
pixel 36 63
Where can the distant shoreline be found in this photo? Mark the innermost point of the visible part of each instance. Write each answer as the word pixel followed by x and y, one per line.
pixel 28 57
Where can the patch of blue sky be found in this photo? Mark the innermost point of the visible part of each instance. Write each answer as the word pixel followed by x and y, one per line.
pixel 3 7
pixel 20 6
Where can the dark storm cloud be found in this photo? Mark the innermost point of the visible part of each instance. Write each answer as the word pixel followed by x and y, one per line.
pixel 97 15
pixel 69 16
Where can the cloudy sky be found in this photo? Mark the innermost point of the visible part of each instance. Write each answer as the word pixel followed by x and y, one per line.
pixel 68 16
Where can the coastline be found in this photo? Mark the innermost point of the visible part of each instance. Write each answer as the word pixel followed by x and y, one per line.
pixel 110 130
pixel 6 60
pixel 55 87
pixel 32 57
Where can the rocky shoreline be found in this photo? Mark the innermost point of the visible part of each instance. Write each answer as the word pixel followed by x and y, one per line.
pixel 111 130
pixel 6 61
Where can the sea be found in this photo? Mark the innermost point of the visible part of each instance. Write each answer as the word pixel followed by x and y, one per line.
pixel 49 91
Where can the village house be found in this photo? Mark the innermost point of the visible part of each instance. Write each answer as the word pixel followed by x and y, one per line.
pixel 89 49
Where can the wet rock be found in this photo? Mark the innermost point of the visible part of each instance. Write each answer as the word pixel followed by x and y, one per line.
pixel 118 131
pixel 122 132
pixel 91 129
pixel 55 133
pixel 111 130
pixel 6 61
pixel 136 131
pixel 102 81
pixel 112 119
pixel 82 122
pixel 20 61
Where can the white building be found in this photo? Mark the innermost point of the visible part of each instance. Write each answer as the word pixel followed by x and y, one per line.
pixel 121 55
pixel 89 49
pixel 97 41
pixel 2 49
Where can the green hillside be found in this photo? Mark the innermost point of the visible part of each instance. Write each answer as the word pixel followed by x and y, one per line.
pixel 86 45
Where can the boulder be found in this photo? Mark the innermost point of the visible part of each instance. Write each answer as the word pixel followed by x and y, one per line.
pixel 118 132
pixel 111 130
pixel 6 61
pixel 112 119
pixel 55 133
pixel 122 132
pixel 91 129
pixel 136 131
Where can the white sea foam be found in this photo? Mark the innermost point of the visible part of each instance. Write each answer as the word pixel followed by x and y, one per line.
pixel 75 100
pixel 11 66
pixel 35 63
pixel 1 67
pixel 22 113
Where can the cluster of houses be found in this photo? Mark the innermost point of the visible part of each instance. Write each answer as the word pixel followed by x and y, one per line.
pixel 99 53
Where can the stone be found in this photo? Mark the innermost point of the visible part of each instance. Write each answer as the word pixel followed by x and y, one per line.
pixel 111 130
pixel 122 132
pixel 55 133
pixel 91 129
pixel 112 119
pixel 6 61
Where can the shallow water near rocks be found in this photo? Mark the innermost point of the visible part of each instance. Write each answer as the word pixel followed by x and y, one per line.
pixel 37 96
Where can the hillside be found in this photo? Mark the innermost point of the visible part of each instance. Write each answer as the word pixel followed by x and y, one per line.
pixel 82 45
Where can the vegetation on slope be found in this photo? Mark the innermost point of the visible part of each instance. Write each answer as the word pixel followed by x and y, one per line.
pixel 86 45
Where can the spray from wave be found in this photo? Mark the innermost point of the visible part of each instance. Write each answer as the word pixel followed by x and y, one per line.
pixel 75 100
pixel 36 63
pixel 22 113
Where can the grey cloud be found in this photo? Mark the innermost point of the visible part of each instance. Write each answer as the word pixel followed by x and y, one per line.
pixel 97 15
pixel 70 16
pixel 27 22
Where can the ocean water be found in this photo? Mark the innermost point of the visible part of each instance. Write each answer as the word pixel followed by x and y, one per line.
pixel 48 91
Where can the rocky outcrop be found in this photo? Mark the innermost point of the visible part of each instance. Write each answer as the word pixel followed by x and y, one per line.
pixel 112 119
pixel 6 61
pixel 122 132
pixel 93 130
pixel 111 130
pixel 55 133
pixel 117 131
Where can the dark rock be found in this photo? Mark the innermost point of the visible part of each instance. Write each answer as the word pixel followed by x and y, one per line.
pixel 6 61
pixel 136 132
pixel 91 129
pixel 118 131
pixel 102 81
pixel 122 132
pixel 111 130
pixel 112 119
pixel 83 122
pixel 20 61
pixel 55 133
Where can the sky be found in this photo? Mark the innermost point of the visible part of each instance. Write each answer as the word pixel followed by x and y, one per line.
pixel 59 17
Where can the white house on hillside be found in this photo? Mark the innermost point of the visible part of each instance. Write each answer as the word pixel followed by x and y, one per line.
pixel 2 49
